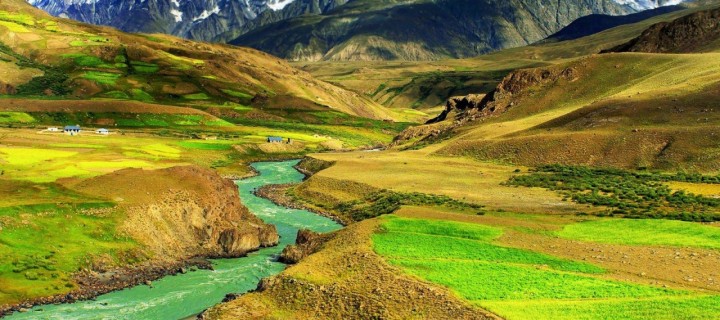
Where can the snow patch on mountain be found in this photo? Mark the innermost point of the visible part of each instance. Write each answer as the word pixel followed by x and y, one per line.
pixel 648 4
pixel 207 13
pixel 277 5
pixel 175 11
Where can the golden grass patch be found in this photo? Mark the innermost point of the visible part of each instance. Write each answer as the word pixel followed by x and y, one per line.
pixel 459 178
pixel 704 189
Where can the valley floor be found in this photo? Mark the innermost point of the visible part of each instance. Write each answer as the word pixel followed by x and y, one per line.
pixel 527 254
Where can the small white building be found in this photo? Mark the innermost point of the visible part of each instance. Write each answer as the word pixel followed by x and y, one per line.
pixel 102 131
pixel 53 129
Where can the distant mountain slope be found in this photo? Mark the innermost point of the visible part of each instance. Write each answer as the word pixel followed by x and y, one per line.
pixel 595 23
pixel 62 59
pixel 424 30
pixel 696 32
pixel 627 110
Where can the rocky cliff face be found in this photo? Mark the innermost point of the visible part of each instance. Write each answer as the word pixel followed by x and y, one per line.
pixel 307 243
pixel 691 33
pixel 473 106
pixel 183 212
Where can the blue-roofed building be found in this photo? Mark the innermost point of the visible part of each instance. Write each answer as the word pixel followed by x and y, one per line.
pixel 72 130
pixel 274 139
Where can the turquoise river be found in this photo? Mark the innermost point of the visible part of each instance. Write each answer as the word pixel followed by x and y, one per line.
pixel 182 296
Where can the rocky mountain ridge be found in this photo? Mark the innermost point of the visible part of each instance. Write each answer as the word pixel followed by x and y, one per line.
pixel 685 35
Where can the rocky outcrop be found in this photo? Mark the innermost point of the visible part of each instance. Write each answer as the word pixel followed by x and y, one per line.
pixel 310 166
pixel 475 107
pixel 307 243
pixel 459 104
pixel 684 35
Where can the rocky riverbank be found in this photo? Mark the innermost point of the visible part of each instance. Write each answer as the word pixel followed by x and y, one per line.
pixel 92 284
pixel 178 216
pixel 277 193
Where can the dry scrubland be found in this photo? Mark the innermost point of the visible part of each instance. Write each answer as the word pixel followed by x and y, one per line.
pixel 459 178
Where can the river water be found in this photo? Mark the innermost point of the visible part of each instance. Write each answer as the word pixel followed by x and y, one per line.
pixel 181 296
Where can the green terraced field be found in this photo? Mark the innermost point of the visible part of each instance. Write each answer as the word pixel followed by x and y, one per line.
pixel 522 284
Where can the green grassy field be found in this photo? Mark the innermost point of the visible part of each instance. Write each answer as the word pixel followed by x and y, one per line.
pixel 696 307
pixel 644 232
pixel 15 118
pixel 447 242
pixel 521 284
pixel 44 245
pixel 49 233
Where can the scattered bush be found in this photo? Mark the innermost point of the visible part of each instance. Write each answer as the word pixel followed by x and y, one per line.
pixel 630 194
pixel 386 202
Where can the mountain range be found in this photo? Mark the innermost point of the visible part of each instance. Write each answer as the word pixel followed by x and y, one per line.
pixel 349 30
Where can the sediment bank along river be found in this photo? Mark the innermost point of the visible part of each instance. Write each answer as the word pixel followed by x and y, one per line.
pixel 183 295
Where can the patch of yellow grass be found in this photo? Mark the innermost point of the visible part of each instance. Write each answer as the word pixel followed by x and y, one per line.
pixel 459 178
pixel 14 27
pixel 46 158
pixel 157 150
pixel 704 189
pixel 31 156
